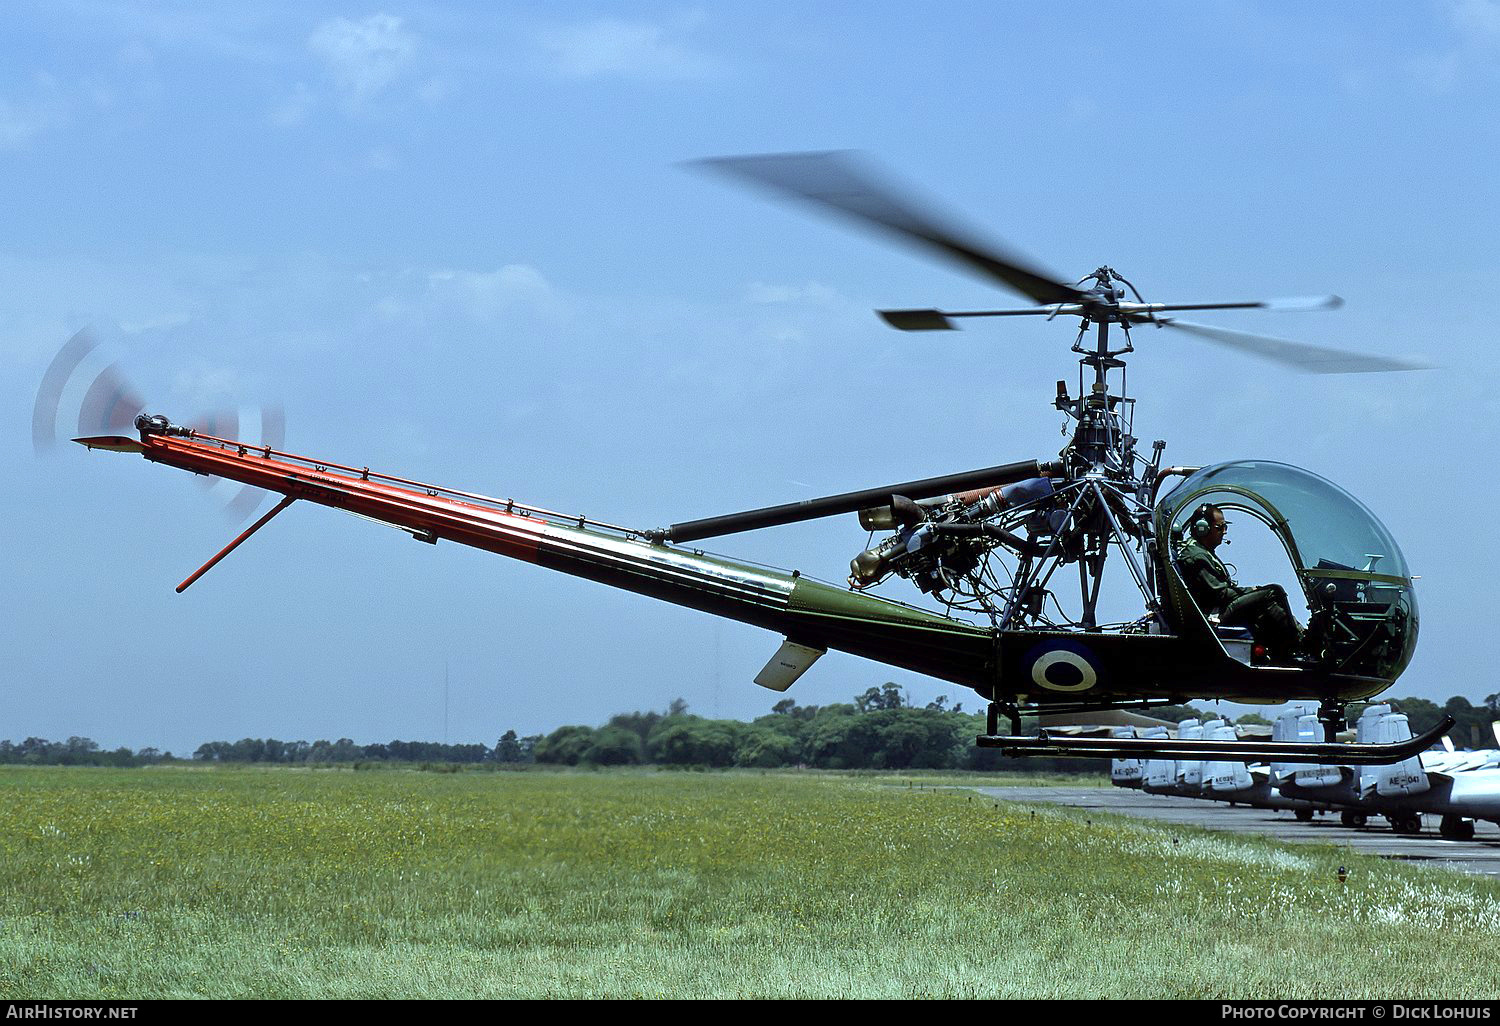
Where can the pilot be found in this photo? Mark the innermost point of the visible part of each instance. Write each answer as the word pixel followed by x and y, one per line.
pixel 1264 609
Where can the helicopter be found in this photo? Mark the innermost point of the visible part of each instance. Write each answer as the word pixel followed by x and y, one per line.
pixel 991 546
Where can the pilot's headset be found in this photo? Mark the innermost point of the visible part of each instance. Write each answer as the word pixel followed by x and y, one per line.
pixel 1202 521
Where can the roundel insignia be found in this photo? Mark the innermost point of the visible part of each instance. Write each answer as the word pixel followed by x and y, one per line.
pixel 1063 666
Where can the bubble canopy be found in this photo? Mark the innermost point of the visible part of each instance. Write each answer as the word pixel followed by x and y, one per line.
pixel 1326 524
pixel 1352 571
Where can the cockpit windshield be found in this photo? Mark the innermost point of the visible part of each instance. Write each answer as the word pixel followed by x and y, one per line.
pixel 1356 581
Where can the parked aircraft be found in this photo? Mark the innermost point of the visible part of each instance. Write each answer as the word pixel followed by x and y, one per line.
pixel 1460 787
pixel 1237 783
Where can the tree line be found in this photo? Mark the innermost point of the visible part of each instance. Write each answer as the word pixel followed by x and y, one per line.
pixel 880 729
pixel 1472 729
pixel 75 751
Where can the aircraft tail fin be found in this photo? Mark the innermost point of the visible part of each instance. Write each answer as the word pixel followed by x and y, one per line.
pixel 1403 778
pixel 1226 777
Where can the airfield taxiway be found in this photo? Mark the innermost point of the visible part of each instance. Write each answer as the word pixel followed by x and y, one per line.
pixel 1480 856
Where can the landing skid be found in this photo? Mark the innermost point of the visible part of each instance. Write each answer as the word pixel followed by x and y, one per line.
pixel 1323 753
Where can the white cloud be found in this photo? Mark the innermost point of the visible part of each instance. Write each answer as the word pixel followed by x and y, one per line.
pixel 512 278
pixel 380 158
pixel 135 54
pixel 435 90
pixel 614 47
pixel 295 107
pixel 364 57
pixel 485 295
pixel 1477 23
pixel 813 292
pixel 1082 107
pixel 24 118
pixel 236 32
pixel 389 308
pixel 203 386
pixel 1479 20
pixel 418 296
pixel 157 322
pixel 1437 72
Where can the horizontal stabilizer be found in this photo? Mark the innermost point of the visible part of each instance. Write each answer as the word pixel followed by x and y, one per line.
pixel 790 662
pixel 114 443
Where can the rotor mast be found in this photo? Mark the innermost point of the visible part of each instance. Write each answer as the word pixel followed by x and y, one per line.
pixel 1104 498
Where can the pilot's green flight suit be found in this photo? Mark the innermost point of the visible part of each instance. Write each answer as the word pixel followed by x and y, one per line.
pixel 1264 610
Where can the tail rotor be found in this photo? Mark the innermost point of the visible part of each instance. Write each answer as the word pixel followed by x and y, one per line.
pixel 108 402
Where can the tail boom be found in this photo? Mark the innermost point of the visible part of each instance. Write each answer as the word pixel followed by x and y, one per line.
pixel 807 611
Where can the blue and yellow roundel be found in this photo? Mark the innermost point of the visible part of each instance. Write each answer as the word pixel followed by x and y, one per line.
pixel 1062 665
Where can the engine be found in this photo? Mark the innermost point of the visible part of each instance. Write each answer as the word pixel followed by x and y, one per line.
pixel 944 545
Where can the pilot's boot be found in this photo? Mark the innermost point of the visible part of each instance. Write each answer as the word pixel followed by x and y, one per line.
pixel 1285 640
pixel 1302 649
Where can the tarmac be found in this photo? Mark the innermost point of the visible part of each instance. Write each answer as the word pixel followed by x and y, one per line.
pixel 1481 856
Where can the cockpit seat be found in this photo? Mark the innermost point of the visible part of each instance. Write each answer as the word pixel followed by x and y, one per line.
pixel 1225 631
pixel 1238 642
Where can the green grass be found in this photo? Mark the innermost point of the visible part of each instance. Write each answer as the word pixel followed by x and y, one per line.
pixel 295 883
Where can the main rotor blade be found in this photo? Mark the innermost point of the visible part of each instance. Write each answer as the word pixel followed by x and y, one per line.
pixel 835 181
pixel 1303 357
pixel 917 320
pixel 940 320
pixel 848 502
pixel 1299 303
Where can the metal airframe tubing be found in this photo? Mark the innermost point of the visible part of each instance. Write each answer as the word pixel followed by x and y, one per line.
pixel 1135 569
pixel 226 550
pixel 1023 586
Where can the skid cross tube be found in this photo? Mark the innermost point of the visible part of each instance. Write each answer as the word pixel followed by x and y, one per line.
pixel 1218 751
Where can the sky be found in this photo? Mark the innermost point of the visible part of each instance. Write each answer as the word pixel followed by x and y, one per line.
pixel 458 242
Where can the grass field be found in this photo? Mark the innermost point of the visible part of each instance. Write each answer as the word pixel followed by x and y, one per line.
pixel 178 882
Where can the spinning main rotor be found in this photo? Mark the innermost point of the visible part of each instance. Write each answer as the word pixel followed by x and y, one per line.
pixel 837 182
pixel 1099 495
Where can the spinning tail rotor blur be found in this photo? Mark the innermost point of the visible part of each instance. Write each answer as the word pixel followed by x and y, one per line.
pixel 109 403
